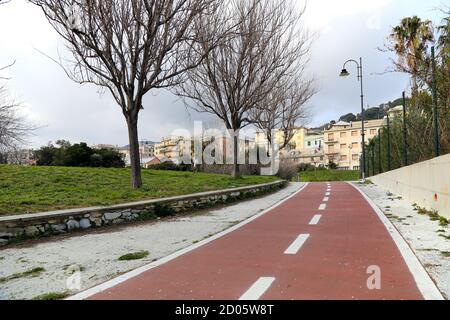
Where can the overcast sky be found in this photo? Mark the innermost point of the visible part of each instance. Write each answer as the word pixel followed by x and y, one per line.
pixel 65 110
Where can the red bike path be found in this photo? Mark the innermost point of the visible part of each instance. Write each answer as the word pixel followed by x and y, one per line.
pixel 321 244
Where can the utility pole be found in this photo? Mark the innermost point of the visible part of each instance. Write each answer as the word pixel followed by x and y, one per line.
pixel 372 148
pixel 435 103
pixel 380 166
pixel 389 143
pixel 405 133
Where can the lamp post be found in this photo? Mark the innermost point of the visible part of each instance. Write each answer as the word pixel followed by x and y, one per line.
pixel 345 73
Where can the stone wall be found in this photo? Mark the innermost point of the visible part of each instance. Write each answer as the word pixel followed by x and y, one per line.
pixel 28 226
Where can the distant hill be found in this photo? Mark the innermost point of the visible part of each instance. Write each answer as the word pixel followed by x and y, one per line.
pixel 374 113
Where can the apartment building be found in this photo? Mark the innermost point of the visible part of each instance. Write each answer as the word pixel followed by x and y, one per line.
pixel 173 148
pixel 343 142
pixel 306 146
pixel 297 142
pixel 146 151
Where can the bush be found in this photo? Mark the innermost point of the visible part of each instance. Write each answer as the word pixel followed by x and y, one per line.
pixel 306 167
pixel 170 166
pixel 245 169
pixel 332 165
pixel 288 170
pixel 78 155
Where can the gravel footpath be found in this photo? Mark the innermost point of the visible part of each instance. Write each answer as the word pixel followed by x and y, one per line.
pixel 426 237
pixel 95 255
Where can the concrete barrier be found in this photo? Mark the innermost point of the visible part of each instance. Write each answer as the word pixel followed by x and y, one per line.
pixel 426 183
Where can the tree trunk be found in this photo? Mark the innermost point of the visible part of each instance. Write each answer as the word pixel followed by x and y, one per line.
pixel 236 172
pixel 135 159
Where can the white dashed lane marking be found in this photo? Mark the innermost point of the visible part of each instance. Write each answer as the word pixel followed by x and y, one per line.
pixel 258 289
pixel 297 244
pixel 315 220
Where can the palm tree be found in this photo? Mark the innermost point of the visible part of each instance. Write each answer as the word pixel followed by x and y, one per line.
pixel 444 32
pixel 410 39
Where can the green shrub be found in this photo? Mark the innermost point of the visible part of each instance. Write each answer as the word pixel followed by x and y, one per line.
pixel 134 256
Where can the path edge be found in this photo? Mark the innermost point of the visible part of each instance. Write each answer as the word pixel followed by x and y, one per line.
pixel 422 278
pixel 132 274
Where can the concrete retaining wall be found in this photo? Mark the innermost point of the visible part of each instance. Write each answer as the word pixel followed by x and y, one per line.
pixel 15 228
pixel 426 184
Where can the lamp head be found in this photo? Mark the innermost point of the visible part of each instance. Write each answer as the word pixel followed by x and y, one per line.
pixel 344 73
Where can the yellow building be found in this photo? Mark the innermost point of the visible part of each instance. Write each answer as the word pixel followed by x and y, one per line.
pixel 343 142
pixel 306 146
pixel 297 142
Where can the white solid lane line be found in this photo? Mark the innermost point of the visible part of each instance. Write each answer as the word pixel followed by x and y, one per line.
pixel 323 206
pixel 326 199
pixel 297 244
pixel 315 220
pixel 258 289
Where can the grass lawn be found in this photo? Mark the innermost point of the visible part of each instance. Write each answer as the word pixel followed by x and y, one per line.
pixel 37 189
pixel 329 175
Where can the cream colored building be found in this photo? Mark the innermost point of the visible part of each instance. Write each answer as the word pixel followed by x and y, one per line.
pixel 173 149
pixel 396 112
pixel 343 142
pixel 146 152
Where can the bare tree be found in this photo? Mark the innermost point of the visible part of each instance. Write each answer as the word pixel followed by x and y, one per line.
pixel 283 109
pixel 242 70
pixel 13 127
pixel 129 48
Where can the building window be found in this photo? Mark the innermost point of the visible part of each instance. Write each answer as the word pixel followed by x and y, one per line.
pixel 331 148
pixel 343 135
pixel 373 132
pixel 343 146
pixel 344 158
pixel 331 137
pixel 354 133
pixel 355 157
pixel 309 143
pixel 355 145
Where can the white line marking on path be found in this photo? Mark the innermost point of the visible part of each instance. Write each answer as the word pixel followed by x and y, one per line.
pixel 326 199
pixel 323 206
pixel 315 220
pixel 328 194
pixel 258 289
pixel 423 280
pixel 297 244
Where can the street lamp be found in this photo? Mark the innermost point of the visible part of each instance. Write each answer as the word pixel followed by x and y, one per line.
pixel 345 73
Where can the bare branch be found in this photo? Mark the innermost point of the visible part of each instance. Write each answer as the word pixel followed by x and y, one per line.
pixel 128 48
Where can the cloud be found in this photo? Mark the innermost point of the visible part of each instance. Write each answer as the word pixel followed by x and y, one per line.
pixel 66 110
pixel 321 14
